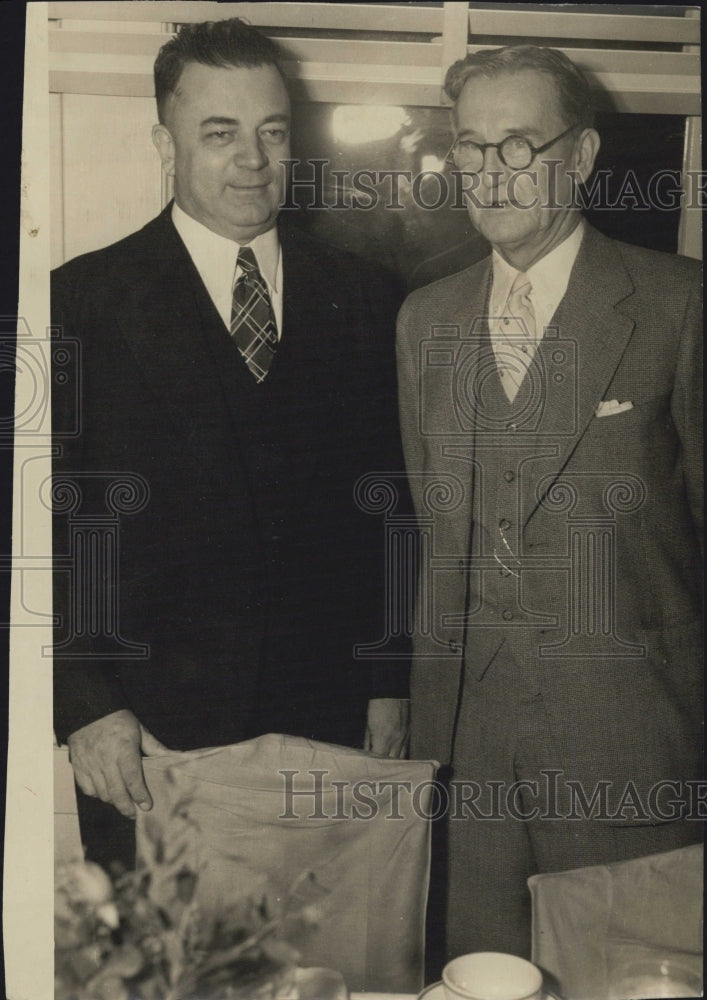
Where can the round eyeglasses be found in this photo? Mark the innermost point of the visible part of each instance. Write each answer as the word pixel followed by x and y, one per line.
pixel 514 151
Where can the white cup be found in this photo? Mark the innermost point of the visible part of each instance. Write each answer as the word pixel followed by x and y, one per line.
pixel 491 975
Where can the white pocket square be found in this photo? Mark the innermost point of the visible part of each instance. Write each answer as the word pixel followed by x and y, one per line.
pixel 610 407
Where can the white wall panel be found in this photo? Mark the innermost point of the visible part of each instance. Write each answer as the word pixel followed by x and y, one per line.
pixel 111 171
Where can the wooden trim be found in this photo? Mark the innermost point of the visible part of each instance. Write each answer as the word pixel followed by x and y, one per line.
pixel 383 52
pixel 658 95
pixel 316 17
pixel 101 63
pixel 56 178
pixel 410 54
pixel 110 43
pixel 690 230
pixel 455 36
pixel 302 49
pixel 400 17
pixel 331 50
pixel 366 91
pixel 563 25
pixel 104 84
pixel 321 82
pixel 617 61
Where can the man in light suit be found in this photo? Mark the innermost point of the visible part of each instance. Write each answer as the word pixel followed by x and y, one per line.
pixel 236 381
pixel 551 414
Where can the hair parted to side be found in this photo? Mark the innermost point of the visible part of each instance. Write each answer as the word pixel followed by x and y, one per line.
pixel 231 42
pixel 573 91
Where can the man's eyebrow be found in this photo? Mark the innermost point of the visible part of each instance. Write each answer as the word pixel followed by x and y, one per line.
pixel 530 131
pixel 224 120
pixel 527 131
pixel 218 120
pixel 281 119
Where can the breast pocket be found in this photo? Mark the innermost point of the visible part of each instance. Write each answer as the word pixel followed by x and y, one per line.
pixel 632 438
pixel 650 412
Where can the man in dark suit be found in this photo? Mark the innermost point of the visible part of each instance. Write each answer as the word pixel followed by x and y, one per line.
pixel 551 415
pixel 236 381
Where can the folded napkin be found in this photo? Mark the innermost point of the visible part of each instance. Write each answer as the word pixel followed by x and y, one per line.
pixel 592 923
pixel 256 816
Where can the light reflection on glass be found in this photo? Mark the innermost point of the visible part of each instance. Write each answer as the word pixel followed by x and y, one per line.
pixel 360 123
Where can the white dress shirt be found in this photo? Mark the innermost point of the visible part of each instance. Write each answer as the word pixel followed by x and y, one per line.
pixel 549 278
pixel 215 259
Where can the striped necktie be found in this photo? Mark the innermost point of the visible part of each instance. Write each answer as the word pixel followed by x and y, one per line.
pixel 518 335
pixel 253 325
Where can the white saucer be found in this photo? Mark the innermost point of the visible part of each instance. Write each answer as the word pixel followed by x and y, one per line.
pixel 435 991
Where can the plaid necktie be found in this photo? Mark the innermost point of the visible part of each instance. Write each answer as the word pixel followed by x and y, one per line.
pixel 252 321
pixel 518 336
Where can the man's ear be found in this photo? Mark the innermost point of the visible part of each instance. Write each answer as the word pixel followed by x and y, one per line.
pixel 586 153
pixel 164 144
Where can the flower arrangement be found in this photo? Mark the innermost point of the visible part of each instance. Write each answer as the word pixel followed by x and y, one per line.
pixel 147 934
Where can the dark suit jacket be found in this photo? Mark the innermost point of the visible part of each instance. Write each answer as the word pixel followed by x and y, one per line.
pixel 241 572
pixel 624 700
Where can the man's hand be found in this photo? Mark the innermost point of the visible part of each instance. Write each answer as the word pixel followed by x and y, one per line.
pixel 106 759
pixel 388 727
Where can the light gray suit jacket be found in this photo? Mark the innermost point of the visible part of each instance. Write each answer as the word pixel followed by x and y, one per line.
pixel 603 608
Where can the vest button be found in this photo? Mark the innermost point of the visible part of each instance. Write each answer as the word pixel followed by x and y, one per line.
pixel 504 524
pixel 507 616
pixel 454 648
pixel 509 476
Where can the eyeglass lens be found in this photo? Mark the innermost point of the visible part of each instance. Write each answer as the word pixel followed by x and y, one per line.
pixel 514 152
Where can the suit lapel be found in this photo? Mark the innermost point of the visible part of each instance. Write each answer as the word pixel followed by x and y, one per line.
pixel 171 347
pixel 458 458
pixel 592 318
pixel 166 340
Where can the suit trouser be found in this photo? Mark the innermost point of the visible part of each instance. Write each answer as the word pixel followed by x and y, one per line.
pixel 503 741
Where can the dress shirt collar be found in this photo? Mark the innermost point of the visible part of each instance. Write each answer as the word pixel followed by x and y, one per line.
pixel 549 277
pixel 215 259
pixel 216 255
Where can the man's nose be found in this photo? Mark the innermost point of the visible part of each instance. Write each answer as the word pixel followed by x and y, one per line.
pixel 250 152
pixel 493 169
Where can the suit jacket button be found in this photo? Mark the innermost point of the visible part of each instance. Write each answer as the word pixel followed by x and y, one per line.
pixel 509 476
pixel 504 524
pixel 507 616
